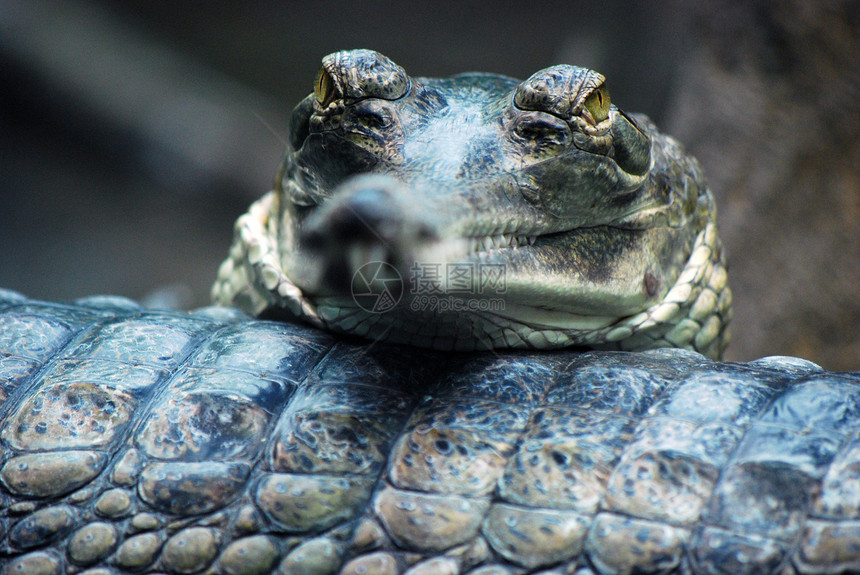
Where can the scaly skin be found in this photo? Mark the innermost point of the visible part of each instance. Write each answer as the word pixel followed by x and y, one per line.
pixel 149 442
pixel 600 230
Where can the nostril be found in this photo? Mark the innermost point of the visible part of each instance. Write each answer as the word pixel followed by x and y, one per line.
pixel 368 215
pixel 313 239
pixel 361 218
pixel 425 233
pixel 367 220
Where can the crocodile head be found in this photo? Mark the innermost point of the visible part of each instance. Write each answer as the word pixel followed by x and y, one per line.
pixel 478 212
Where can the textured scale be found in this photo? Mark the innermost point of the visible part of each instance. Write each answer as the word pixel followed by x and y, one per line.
pixel 145 442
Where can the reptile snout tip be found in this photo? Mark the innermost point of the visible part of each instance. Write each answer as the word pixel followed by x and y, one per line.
pixel 364 222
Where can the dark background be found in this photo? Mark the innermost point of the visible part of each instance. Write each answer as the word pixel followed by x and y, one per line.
pixel 133 134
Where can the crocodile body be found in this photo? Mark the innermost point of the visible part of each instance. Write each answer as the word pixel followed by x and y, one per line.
pixel 138 441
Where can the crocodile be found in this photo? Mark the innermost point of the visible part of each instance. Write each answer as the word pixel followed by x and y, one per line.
pixel 211 441
pixel 484 213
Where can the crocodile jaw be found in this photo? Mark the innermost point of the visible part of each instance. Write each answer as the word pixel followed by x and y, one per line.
pixel 692 310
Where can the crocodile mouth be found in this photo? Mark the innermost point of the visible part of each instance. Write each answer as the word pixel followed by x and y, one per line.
pixel 582 286
pixel 484 244
pixel 545 273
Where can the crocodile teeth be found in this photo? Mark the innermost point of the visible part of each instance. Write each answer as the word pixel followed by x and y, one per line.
pixel 500 241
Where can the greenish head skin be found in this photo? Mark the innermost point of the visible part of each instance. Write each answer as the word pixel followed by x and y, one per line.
pixel 479 212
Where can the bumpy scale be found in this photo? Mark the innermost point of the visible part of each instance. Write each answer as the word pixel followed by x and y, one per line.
pixel 147 442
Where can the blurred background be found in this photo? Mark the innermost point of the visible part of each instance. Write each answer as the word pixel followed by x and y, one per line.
pixel 133 134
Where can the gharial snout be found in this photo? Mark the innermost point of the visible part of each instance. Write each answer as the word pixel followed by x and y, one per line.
pixel 365 221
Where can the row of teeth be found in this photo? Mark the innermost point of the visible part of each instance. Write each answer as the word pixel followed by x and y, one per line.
pixel 501 241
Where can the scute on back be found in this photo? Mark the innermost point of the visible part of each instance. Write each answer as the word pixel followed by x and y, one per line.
pixel 235 444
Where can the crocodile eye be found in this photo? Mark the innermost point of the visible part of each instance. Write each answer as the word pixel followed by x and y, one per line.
pixel 563 91
pixel 324 88
pixel 597 104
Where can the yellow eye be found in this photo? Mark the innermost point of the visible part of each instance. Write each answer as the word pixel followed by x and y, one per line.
pixel 597 104
pixel 324 88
